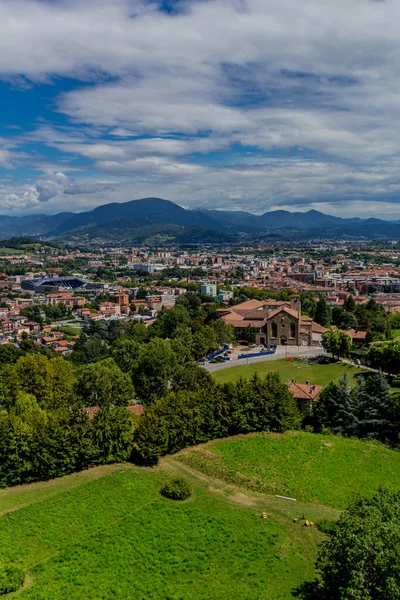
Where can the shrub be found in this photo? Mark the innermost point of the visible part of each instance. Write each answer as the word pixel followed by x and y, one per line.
pixel 11 578
pixel 176 489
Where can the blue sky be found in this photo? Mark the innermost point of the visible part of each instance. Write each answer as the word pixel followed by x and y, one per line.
pixel 233 104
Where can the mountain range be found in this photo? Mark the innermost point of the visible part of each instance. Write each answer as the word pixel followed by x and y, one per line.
pixel 154 218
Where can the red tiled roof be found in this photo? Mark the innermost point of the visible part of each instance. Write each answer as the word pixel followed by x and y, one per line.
pixel 356 335
pixel 316 328
pixel 135 409
pixel 289 311
pixel 304 391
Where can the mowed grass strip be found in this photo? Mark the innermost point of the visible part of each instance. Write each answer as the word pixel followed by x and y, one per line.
pixel 117 537
pixel 321 469
pixel 299 371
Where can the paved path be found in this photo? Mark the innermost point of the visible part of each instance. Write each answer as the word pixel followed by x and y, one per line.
pixel 281 352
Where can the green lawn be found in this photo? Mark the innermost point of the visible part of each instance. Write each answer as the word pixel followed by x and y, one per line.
pixel 299 371
pixel 115 536
pixel 321 469
pixel 108 533
pixel 69 329
pixel 10 251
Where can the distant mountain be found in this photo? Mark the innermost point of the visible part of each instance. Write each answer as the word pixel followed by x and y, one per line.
pixel 150 234
pixel 303 220
pixel 158 219
pixel 278 219
pixel 31 225
pixel 141 213
pixel 242 221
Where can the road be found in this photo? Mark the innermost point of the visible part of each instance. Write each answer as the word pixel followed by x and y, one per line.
pixel 281 352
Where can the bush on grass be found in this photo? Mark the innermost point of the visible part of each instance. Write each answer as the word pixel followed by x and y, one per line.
pixel 11 578
pixel 176 489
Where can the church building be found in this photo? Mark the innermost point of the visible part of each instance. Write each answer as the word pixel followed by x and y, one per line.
pixel 275 323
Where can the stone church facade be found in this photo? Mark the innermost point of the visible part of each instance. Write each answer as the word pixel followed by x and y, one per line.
pixel 274 323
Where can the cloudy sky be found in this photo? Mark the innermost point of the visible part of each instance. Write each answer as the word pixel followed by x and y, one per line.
pixel 234 104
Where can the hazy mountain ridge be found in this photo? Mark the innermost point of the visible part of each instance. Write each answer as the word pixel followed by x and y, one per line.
pixel 137 219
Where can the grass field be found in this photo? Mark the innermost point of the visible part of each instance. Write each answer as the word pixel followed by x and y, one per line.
pixel 321 469
pixel 301 372
pixel 107 533
pixel 69 329
pixel 114 536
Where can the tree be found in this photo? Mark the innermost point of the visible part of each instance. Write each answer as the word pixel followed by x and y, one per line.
pixel 385 356
pixel 138 332
pixel 183 345
pixel 205 341
pixel 113 434
pixel 323 313
pixel 372 396
pixel 249 334
pixel 151 437
pixel 125 352
pixel 96 329
pixel 348 320
pixel 154 369
pixel 336 408
pixel 349 304
pixel 191 301
pixel 224 332
pixel 104 384
pixel 336 341
pixel 9 354
pixel 169 320
pixel 51 382
pixel 191 377
pixel 361 560
pixel 308 305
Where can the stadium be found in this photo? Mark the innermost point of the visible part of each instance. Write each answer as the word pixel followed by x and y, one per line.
pixel 54 284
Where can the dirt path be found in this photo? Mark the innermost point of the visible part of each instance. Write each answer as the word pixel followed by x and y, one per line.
pixel 279 509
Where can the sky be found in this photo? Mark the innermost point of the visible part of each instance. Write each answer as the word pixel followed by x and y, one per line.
pixel 231 104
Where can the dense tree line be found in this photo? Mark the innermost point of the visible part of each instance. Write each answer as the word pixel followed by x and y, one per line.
pixel 45 429
pixel 367 410
pixel 189 416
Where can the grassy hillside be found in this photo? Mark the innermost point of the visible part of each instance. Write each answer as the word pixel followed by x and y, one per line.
pixel 300 371
pixel 110 534
pixel 321 469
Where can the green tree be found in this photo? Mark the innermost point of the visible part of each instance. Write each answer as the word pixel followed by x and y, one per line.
pixel 205 341
pixel 349 304
pixel 125 352
pixel 104 384
pixel 113 434
pixel 348 320
pixel 151 437
pixel 169 320
pixel 361 560
pixel 385 356
pixel 323 313
pixel 336 408
pixel 224 332
pixel 372 395
pixel 336 341
pixel 183 345
pixel 154 370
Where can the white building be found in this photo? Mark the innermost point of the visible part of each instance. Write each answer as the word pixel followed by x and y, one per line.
pixel 209 288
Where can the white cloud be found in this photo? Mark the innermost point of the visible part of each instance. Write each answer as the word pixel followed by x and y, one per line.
pixel 274 76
